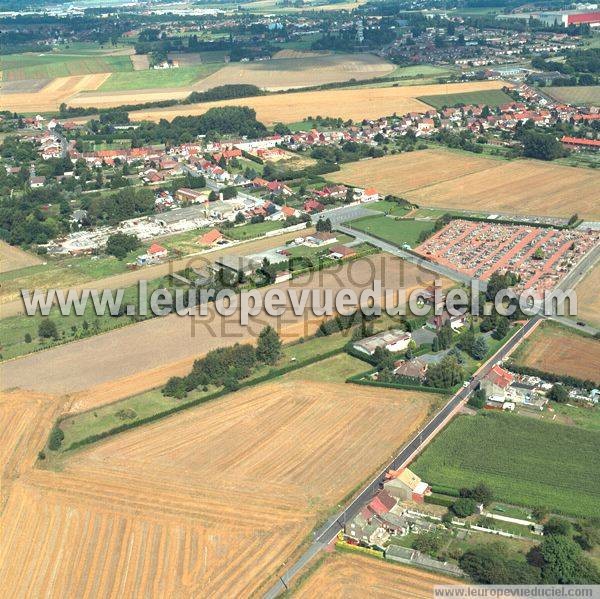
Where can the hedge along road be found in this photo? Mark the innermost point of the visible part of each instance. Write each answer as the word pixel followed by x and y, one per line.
pixel 132 277
pixel 172 339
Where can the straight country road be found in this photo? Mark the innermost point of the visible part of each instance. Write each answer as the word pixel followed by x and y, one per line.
pixel 324 535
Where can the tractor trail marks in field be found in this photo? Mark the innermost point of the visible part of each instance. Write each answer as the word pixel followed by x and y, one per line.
pixel 348 576
pixel 352 103
pixel 453 180
pixel 557 349
pixel 198 505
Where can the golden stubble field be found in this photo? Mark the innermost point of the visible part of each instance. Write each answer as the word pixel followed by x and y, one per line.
pixel 351 103
pixel 354 576
pixel 208 503
pixel 159 343
pixel 14 258
pixel 453 180
pixel 557 349
pixel 50 97
pixel 588 298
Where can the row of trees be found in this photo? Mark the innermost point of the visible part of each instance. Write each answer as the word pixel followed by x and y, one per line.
pixel 227 366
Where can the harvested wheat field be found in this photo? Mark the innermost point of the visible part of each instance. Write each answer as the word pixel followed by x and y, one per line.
pixel 453 180
pixel 352 103
pixel 52 95
pixel 588 298
pixel 13 258
pixel 172 339
pixel 353 576
pixel 210 503
pixel 299 71
pixel 557 349
pixel 25 419
pixel 401 173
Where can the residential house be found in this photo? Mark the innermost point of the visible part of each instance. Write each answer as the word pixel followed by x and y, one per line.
pixel 405 485
pixel 211 238
pixel 369 195
pixel 341 252
pixel 393 340
pixel 415 368
pixel 496 382
pixel 311 206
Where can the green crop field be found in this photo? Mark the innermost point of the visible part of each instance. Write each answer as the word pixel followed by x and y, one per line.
pixel 421 70
pixel 150 78
pixel 394 231
pixel 493 97
pixel 525 461
pixel 17 67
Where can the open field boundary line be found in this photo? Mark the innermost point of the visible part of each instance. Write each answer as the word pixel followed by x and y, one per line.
pixel 192 403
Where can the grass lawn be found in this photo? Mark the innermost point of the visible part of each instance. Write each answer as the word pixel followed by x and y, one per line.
pixel 314 252
pixel 149 79
pixel 525 461
pixel 252 229
pixel 395 231
pixel 421 70
pixel 332 370
pixel 493 98
pixel 47 66
pixel 388 207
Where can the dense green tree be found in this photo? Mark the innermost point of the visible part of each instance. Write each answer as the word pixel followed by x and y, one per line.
pixel 269 347
pixel 563 562
pixel 120 244
pixel 480 348
pixel 559 393
pixel 47 329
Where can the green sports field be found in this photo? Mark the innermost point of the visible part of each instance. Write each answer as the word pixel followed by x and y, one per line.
pixel 493 98
pixel 16 67
pixel 394 231
pixel 524 461
pixel 150 78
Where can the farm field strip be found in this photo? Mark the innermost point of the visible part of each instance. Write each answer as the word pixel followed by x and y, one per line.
pixel 491 98
pixel 50 97
pixel 456 181
pixel 557 349
pixel 585 94
pixel 519 458
pixel 190 506
pixel 346 575
pixel 588 298
pixel 14 258
pixel 123 352
pixel 345 103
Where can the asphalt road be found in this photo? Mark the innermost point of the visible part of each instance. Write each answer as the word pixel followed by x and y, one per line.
pixel 410 257
pixel 324 535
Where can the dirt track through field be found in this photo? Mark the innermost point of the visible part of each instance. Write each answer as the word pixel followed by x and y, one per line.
pixel 352 576
pixel 172 339
pixel 207 504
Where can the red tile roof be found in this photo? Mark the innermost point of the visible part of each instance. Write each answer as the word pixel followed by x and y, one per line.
pixel 500 377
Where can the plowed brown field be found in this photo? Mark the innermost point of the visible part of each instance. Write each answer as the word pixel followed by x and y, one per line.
pixel 444 179
pixel 354 576
pixel 554 348
pixel 208 503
